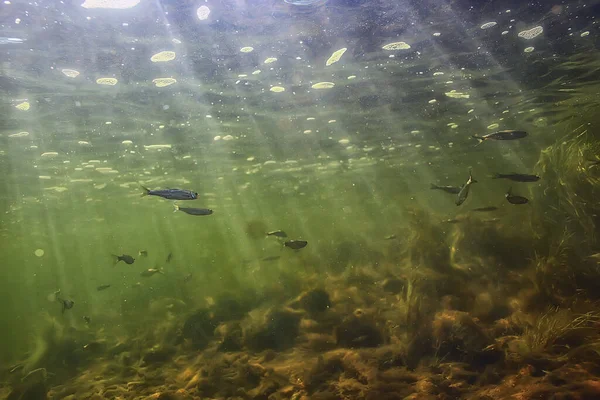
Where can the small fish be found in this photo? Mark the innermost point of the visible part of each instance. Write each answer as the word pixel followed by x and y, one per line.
pixel 452 221
pixel 150 271
pixel 501 135
pixel 592 163
pixel 87 319
pixel 169 257
pixel 490 220
pixel 171 194
pixel 279 234
pixel 296 244
pixel 188 277
pixel 143 253
pixel 102 287
pixel 127 259
pixel 9 40
pixel 464 192
pixel 485 209
pixel 193 211
pixel 447 189
pixel 517 177
pixel 390 237
pixel 66 304
pixel 513 199
pixel 270 258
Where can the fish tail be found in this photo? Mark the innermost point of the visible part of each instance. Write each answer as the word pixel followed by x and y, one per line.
pixel 433 186
pixel 175 207
pixel 481 140
pixel 509 191
pixel 496 176
pixel 116 258
pixel 471 176
pixel 146 191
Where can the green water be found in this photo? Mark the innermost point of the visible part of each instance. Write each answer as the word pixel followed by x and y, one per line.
pixel 341 168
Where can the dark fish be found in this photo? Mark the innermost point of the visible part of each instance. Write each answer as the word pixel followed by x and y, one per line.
pixel 102 287
pixel 169 257
pixel 279 234
pixel 296 244
pixel 193 211
pixel 171 194
pixel 87 319
pixel 127 259
pixel 513 199
pixel 143 253
pixel 501 135
pixel 464 192
pixel 150 272
pixel 517 177
pixel 390 237
pixel 66 304
pixel 447 189
pixel 485 209
pixel 271 258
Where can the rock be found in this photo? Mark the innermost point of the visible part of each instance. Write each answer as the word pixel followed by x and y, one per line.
pixel 159 354
pixel 231 337
pixel 315 301
pixel 35 391
pixel 458 336
pixel 358 331
pixel 278 332
pixel 199 328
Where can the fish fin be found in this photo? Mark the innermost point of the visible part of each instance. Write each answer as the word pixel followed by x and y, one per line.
pixel 146 191
pixel 176 207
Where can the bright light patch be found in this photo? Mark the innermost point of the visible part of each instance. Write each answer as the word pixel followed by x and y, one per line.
pixel 323 85
pixel 203 12
pixel 106 81
pixel 335 57
pixel 71 73
pixel 396 46
pixel 162 82
pixel 115 4
pixel 163 56
pixel 24 106
pixel 531 33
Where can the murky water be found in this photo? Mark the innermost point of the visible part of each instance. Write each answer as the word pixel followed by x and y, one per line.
pixel 324 123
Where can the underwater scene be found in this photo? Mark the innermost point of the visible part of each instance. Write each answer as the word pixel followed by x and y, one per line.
pixel 299 199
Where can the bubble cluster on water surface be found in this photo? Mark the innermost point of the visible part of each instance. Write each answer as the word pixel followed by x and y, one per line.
pixel 163 56
pixel 531 33
pixel 202 13
pixel 115 4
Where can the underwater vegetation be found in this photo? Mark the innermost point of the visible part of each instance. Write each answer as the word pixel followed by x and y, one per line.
pixel 478 310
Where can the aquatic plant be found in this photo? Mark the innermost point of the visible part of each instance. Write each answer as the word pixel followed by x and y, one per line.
pixel 555 337
pixel 425 244
pixel 569 188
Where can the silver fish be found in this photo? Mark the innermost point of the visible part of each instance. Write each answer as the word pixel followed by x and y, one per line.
pixel 464 192
pixel 150 272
